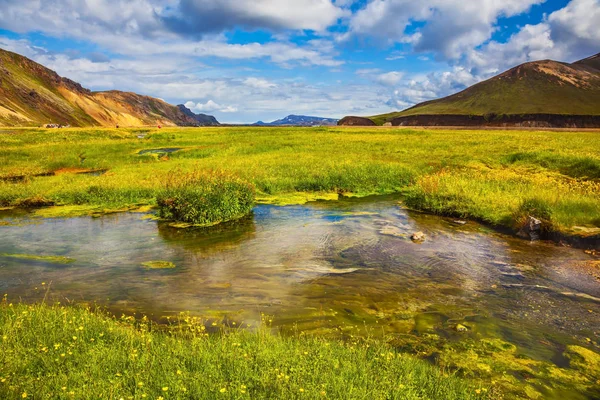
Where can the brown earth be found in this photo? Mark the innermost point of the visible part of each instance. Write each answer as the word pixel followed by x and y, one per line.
pixel 355 121
pixel 492 120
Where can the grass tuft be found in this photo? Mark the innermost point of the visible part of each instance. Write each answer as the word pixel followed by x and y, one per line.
pixel 205 198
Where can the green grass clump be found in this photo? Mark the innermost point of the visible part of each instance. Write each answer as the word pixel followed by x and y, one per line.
pixel 69 352
pixel 205 198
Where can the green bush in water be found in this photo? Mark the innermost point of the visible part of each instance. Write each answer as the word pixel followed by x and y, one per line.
pixel 205 197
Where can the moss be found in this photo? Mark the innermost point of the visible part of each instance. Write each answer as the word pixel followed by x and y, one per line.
pixel 159 265
pixel 48 259
pixel 584 360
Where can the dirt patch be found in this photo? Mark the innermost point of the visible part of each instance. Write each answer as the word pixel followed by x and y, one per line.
pixel 501 120
pixel 356 121
pixel 79 171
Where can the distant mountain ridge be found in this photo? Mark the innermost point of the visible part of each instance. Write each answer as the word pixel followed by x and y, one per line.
pixel 300 120
pixel 202 119
pixel 33 95
pixel 541 90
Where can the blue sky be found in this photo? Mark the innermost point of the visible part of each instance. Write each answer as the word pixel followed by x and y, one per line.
pixel 249 60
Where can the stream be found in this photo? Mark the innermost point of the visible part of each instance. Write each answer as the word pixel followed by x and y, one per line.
pixel 523 315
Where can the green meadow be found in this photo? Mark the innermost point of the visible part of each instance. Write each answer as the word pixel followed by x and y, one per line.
pixel 57 352
pixel 202 176
pixel 488 175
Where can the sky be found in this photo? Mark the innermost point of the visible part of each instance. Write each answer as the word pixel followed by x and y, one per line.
pixel 250 60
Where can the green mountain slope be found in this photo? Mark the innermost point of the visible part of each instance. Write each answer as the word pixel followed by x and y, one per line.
pixel 541 87
pixel 33 95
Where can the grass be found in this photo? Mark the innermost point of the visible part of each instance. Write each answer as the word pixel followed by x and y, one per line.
pixel 69 352
pixel 486 175
pixel 205 198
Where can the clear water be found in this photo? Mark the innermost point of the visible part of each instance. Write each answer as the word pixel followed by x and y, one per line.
pixel 330 268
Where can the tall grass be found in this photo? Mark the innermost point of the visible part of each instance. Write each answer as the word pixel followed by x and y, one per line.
pixel 73 353
pixel 205 198
pixel 481 174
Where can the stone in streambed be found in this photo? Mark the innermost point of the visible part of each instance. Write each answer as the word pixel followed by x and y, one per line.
pixel 418 237
pixel 531 229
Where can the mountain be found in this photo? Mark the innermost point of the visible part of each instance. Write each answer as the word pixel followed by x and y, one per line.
pixel 201 119
pixel 300 120
pixel 33 95
pixel 547 88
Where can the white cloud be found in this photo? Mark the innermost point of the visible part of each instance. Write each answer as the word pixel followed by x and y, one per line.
pixel 431 86
pixel 390 78
pixel 135 27
pixel 259 83
pixel 201 16
pixel 450 26
pixel 577 27
pixel 210 106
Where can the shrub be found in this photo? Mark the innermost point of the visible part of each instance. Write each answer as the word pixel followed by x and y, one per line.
pixel 205 197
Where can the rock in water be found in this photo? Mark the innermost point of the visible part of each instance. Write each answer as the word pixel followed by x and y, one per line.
pixel 418 237
pixel 461 328
pixel 531 229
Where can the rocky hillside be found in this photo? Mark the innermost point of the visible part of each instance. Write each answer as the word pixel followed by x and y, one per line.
pixel 535 88
pixel 33 95
pixel 201 119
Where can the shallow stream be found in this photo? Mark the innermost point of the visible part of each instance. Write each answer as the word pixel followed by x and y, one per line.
pixel 525 316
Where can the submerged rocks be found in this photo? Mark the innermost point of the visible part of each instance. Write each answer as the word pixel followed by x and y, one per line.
pixel 531 229
pixel 418 237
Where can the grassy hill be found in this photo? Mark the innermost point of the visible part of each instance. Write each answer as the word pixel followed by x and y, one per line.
pixel 33 95
pixel 540 87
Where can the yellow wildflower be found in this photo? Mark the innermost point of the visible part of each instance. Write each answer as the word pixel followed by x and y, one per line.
pixel 223 390
pixel 165 389
pixel 24 395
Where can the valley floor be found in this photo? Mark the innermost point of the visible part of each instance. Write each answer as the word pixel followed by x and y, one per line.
pixel 495 176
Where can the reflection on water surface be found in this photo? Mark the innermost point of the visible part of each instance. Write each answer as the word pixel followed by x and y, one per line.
pixel 336 268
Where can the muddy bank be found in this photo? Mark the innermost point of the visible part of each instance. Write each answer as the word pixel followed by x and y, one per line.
pixel 502 120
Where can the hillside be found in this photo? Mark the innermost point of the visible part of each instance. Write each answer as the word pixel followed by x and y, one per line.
pixel 300 120
pixel 535 88
pixel 33 95
pixel 201 119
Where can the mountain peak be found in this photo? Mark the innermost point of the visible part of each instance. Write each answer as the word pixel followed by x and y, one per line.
pixel 301 120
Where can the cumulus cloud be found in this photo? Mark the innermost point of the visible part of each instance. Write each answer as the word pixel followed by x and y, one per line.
pixel 209 106
pixel 193 17
pixel 449 26
pixel 389 78
pixel 577 27
pixel 139 27
pixel 431 86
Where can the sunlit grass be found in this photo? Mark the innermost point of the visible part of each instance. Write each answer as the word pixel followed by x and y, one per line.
pixel 482 174
pixel 205 197
pixel 74 353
